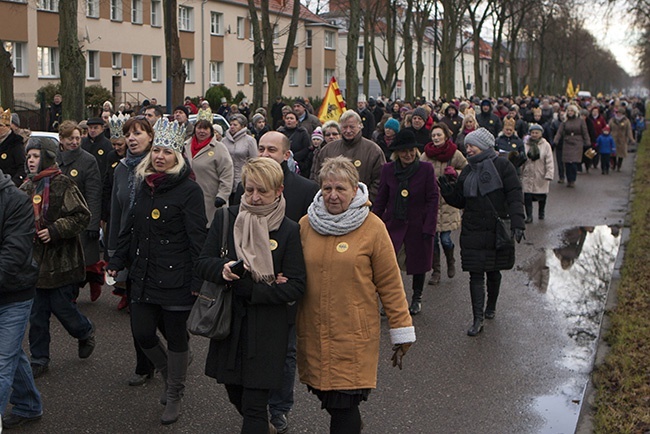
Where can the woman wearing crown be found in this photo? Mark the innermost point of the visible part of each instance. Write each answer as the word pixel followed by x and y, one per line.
pixel 159 244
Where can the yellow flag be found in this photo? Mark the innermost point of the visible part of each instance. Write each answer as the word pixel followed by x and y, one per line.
pixel 570 93
pixel 577 89
pixel 526 91
pixel 333 105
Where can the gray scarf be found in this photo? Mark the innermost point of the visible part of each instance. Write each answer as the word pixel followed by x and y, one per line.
pixel 340 224
pixel 484 177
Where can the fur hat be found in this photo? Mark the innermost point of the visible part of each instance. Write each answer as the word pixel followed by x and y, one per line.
pixel 421 112
pixel 392 124
pixel 48 147
pixel 405 139
pixel 481 138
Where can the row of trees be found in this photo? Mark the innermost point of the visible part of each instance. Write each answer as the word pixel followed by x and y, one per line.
pixel 640 11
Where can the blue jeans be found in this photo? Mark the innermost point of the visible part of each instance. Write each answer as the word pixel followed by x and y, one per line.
pixel 571 171
pixel 281 400
pixel 57 301
pixel 15 371
pixel 445 240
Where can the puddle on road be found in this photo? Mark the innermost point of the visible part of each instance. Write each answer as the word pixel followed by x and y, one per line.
pixel 575 279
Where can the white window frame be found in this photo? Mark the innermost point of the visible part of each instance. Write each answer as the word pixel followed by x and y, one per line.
pixel 48 5
pixel 360 52
pixel 240 74
pixel 250 73
pixel 136 12
pixel 136 67
pixel 329 40
pixel 116 60
pixel 308 77
pixel 188 64
pixel 18 52
pixel 308 38
pixel 250 30
pixel 216 72
pixel 327 74
pixel 156 13
pixel 92 65
pixel 156 64
pixel 48 62
pixel 216 23
pixel 293 76
pixel 116 10
pixel 92 8
pixel 185 19
pixel 241 27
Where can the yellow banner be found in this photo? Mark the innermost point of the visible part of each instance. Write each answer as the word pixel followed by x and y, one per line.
pixel 570 93
pixel 333 105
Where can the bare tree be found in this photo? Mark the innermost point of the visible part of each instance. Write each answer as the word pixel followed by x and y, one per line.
pixel 452 18
pixel 72 64
pixel 422 19
pixel 176 73
pixel 478 12
pixel 6 78
pixel 351 74
pixel 386 20
pixel 407 41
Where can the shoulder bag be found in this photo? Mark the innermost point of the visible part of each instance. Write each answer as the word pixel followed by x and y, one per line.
pixel 503 234
pixel 211 314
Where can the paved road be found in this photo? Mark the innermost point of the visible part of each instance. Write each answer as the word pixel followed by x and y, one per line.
pixel 517 377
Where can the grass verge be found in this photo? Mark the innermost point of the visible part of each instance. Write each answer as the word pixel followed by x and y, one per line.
pixel 623 381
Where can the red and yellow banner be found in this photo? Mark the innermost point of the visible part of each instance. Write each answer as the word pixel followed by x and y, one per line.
pixel 333 105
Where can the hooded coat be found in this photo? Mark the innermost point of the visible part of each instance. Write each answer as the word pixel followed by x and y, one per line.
pixel 536 175
pixel 241 146
pixel 621 132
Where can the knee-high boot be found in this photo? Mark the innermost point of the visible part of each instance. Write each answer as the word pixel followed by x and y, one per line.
pixel 542 208
pixel 158 357
pixel 493 286
pixel 451 262
pixel 176 373
pixel 435 274
pixel 528 204
pixel 477 293
pixel 416 301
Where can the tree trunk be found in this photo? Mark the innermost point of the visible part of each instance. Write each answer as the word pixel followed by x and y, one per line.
pixel 351 74
pixel 176 74
pixel 72 64
pixel 407 40
pixel 368 33
pixel 388 80
pixel 258 58
pixel 6 78
pixel 453 12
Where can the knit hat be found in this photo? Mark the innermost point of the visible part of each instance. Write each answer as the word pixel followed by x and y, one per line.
pixel 317 134
pixel 405 139
pixel 372 102
pixel 49 148
pixel 183 109
pixel 392 124
pixel 421 112
pixel 486 102
pixel 300 101
pixel 606 128
pixel 534 127
pixel 218 129
pixel 481 138
pixel 15 119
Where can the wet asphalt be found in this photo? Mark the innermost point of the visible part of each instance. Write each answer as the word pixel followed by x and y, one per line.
pixel 521 375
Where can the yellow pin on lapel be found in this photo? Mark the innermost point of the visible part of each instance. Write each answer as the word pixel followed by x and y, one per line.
pixel 155 214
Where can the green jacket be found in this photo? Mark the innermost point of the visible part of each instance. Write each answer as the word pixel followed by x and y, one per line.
pixel 61 261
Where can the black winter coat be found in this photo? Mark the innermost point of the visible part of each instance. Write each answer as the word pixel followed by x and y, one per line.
pixel 300 146
pixel 12 158
pixel 490 122
pixel 162 240
pixel 99 147
pixel 253 355
pixel 477 236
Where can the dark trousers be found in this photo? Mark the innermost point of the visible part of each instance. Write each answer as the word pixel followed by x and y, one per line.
pixel 571 171
pixel 251 404
pixel 477 291
pixel 560 163
pixel 345 420
pixel 144 323
pixel 281 400
pixel 604 166
pixel 143 366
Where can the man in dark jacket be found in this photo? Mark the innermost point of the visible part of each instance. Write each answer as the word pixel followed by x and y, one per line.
pixel 18 275
pixel 419 127
pixel 96 143
pixel 367 118
pixel 54 113
pixel 12 153
pixel 487 119
pixel 305 119
pixel 377 111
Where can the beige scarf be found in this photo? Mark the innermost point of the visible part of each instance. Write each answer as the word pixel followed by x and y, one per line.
pixel 251 233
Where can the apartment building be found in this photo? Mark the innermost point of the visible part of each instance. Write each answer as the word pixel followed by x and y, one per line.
pixel 124 45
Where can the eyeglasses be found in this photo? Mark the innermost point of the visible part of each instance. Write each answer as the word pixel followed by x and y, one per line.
pixel 330 134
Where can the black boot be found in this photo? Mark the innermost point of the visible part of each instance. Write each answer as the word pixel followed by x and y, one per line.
pixel 416 302
pixel 493 286
pixel 435 274
pixel 542 208
pixel 477 293
pixel 528 204
pixel 451 262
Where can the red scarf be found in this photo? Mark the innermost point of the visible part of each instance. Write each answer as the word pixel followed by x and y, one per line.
pixel 41 183
pixel 155 180
pixel 196 146
pixel 440 153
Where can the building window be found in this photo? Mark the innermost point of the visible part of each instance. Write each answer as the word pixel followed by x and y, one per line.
pixel 188 64
pixel 240 28
pixel 327 74
pixel 48 61
pixel 92 8
pixel 276 34
pixel 93 65
pixel 308 39
pixel 155 68
pixel 116 60
pixel 250 73
pixel 293 76
pixel 185 21
pixel 48 5
pixel 136 11
pixel 240 73
pixel 216 23
pixel 156 13
pixel 18 52
pixel 216 72
pixel 308 77
pixel 360 52
pixel 251 33
pixel 136 67
pixel 329 40
pixel 116 10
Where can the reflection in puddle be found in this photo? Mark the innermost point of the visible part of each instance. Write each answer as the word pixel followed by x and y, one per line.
pixel 575 278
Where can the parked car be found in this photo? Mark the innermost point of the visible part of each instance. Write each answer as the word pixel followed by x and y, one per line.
pixel 216 119
pixel 53 136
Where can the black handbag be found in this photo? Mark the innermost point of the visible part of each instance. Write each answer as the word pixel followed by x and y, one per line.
pixel 211 314
pixel 502 232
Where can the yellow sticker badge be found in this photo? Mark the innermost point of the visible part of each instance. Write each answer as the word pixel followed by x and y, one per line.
pixel 357 163
pixel 37 199
pixel 405 193
pixel 342 247
pixel 155 214
pixel 100 152
pixel 274 244
pixel 74 172
pixel 113 165
pixel 3 156
pixel 211 153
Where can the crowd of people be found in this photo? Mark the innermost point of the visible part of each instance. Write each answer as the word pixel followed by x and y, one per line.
pixel 321 215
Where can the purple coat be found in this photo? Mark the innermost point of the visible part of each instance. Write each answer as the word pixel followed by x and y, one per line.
pixel 422 215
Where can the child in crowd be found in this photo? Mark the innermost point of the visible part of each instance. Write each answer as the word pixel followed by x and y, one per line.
pixel 606 147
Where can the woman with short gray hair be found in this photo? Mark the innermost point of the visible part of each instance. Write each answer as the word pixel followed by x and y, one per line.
pixel 241 147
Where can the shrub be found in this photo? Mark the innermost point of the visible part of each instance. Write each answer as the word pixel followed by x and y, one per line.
pixel 215 93
pixel 46 93
pixel 239 97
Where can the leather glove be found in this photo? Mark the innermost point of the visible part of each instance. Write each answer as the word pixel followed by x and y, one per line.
pixel 399 352
pixel 92 235
pixel 243 287
pixel 446 186
pixel 219 202
pixel 518 234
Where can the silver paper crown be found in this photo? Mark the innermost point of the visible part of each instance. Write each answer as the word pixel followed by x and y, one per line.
pixel 169 134
pixel 116 122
